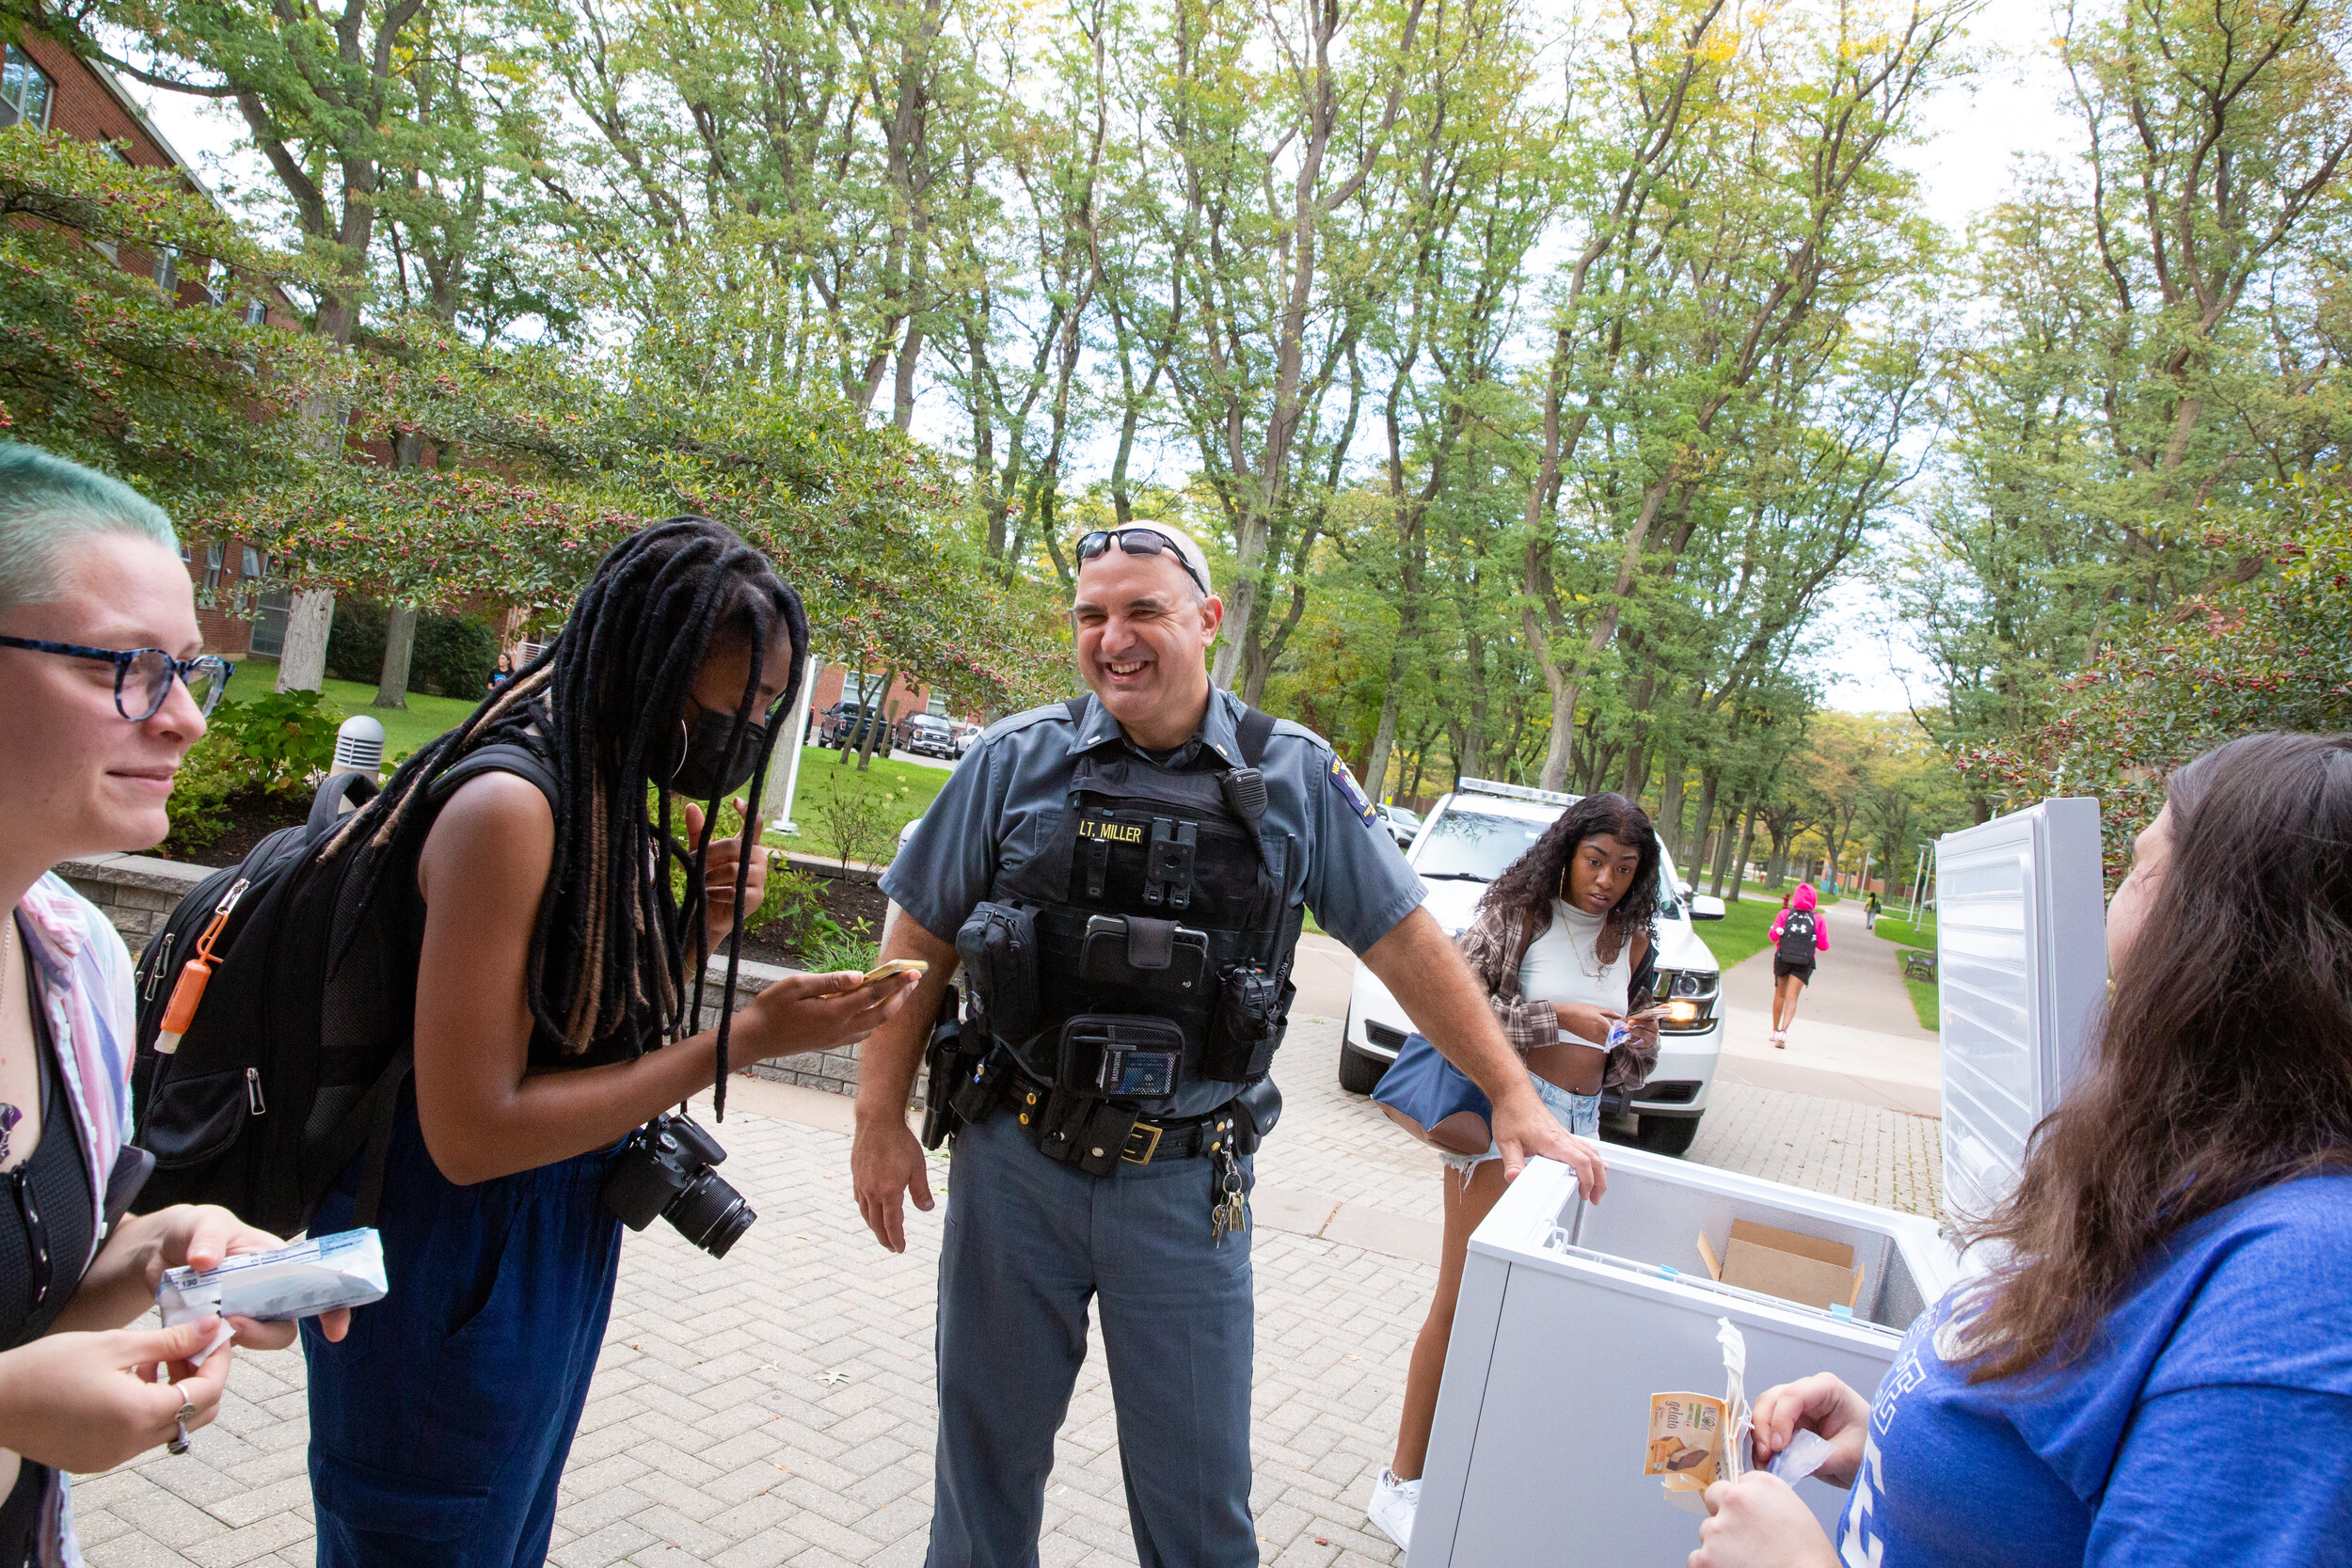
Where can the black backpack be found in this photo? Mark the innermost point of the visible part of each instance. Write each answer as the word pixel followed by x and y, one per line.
pixel 1797 938
pixel 295 1058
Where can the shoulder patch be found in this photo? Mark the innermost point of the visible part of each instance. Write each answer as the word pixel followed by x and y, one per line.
pixel 1344 782
pixel 1014 723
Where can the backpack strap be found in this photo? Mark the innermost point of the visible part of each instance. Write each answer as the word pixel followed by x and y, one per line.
pixel 1253 732
pixel 378 1109
pixel 504 757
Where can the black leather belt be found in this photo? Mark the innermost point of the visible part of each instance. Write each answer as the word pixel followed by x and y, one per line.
pixel 1085 1132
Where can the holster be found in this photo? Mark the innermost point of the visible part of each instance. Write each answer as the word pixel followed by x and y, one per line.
pixel 949 1065
pixel 1087 1133
pixel 1260 1107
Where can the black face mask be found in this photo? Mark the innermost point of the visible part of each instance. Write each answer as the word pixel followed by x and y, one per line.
pixel 711 767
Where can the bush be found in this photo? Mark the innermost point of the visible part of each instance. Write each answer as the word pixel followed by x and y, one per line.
pixel 355 644
pixel 453 656
pixel 276 742
pixel 211 772
pixel 856 825
pixel 832 948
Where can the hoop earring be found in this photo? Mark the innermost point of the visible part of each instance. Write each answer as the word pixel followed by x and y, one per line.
pixel 683 746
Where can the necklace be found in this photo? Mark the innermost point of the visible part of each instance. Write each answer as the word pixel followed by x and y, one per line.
pixel 1567 928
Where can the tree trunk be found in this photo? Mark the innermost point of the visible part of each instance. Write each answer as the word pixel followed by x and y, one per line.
pixel 302 665
pixel 400 644
pixel 1723 849
pixel 1384 738
pixel 1739 859
pixel 876 735
pixel 1669 817
pixel 1708 778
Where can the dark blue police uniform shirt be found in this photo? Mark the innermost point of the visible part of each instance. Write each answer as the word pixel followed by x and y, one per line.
pixel 1005 801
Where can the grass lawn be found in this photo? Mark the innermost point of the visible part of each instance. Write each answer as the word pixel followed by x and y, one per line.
pixel 904 791
pixel 404 729
pixel 1902 933
pixel 1925 1000
pixel 1745 929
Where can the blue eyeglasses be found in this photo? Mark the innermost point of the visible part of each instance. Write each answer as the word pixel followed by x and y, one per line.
pixel 146 674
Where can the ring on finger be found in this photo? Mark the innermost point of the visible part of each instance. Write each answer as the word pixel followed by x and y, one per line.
pixel 180 1421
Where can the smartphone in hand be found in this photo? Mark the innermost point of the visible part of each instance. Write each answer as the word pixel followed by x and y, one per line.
pixel 890 967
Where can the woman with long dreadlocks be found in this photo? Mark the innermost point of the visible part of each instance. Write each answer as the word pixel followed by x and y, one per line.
pixel 556 987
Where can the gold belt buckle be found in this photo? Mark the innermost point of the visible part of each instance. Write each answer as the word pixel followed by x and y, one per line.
pixel 1150 1148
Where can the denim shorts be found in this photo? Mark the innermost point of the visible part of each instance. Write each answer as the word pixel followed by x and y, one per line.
pixel 1579 1112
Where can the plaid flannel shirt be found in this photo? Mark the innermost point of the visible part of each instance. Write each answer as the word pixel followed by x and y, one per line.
pixel 1495 943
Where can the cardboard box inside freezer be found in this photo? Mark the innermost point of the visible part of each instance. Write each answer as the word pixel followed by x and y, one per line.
pixel 1785 1263
pixel 1644 1219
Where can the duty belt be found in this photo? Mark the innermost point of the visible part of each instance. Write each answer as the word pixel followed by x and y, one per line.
pixel 1096 1135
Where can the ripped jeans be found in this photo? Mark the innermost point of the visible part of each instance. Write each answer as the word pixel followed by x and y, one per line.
pixel 1579 1112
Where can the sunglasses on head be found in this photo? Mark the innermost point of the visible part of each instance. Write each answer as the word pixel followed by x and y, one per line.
pixel 1137 540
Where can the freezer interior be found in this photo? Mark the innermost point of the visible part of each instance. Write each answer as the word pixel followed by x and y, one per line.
pixel 1652 1218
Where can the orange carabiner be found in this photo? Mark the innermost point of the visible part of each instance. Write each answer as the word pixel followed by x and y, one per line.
pixel 189 991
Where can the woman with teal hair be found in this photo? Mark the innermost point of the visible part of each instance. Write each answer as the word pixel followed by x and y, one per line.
pixel 106 684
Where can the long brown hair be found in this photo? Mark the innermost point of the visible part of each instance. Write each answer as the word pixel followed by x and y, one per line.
pixel 2224 1060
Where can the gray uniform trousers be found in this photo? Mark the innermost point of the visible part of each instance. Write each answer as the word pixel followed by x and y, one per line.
pixel 1028 1242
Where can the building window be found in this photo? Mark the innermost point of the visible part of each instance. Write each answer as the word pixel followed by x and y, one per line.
pixel 168 269
pixel 937 706
pixel 256 312
pixel 269 623
pixel 24 90
pixel 252 564
pixel 212 567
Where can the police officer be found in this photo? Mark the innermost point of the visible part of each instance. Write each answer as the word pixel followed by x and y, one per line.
pixel 1121 877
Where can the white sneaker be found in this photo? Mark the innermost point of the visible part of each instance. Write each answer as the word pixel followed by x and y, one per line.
pixel 1394 1504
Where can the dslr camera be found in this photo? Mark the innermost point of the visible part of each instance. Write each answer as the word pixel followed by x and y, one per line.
pixel 665 1171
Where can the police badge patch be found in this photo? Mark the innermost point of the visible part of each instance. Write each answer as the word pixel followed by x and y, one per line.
pixel 1344 782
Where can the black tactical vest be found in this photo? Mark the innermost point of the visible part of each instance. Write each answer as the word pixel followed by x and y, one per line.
pixel 1149 945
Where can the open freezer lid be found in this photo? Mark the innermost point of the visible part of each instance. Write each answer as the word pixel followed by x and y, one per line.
pixel 2022 967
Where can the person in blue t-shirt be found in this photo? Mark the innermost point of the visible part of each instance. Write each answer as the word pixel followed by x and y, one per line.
pixel 2161 1372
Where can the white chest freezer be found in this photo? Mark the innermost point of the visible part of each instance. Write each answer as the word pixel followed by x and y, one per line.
pixel 1572 1314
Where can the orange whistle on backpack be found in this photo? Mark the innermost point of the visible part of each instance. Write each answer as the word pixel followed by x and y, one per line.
pixel 194 974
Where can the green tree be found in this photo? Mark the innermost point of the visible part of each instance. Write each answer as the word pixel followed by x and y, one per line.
pixel 180 393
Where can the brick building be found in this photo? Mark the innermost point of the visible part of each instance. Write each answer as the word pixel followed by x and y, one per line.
pixel 54 89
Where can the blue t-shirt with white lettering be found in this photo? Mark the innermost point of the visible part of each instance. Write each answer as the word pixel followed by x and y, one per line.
pixel 2210 1424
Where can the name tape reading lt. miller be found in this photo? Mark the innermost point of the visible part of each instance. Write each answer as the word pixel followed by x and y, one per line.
pixel 300 1281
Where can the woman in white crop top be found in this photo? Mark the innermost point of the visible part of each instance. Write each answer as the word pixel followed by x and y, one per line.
pixel 1558 941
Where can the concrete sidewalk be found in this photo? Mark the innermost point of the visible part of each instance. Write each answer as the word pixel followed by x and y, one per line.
pixel 777 1406
pixel 1856 1036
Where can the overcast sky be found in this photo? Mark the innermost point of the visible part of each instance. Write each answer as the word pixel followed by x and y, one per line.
pixel 1975 133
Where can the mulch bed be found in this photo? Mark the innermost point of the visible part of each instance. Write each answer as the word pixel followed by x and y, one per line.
pixel 250 818
pixel 847 902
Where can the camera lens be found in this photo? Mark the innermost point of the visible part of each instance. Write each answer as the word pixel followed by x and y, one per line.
pixel 711 1213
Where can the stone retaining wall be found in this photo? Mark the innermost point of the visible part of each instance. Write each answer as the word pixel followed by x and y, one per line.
pixel 835 1071
pixel 138 891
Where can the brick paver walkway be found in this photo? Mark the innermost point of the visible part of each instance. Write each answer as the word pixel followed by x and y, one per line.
pixel 776 1407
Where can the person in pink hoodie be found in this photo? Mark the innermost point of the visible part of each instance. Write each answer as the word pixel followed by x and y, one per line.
pixel 1799 934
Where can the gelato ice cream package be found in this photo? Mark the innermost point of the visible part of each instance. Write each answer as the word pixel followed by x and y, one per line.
pixel 298 1281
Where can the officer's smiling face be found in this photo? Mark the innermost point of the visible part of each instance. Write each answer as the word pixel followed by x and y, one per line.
pixel 1143 633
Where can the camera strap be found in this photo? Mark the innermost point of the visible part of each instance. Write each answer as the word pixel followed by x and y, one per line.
pixel 381 1110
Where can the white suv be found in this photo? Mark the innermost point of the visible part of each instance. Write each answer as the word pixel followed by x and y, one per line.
pixel 1471 837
